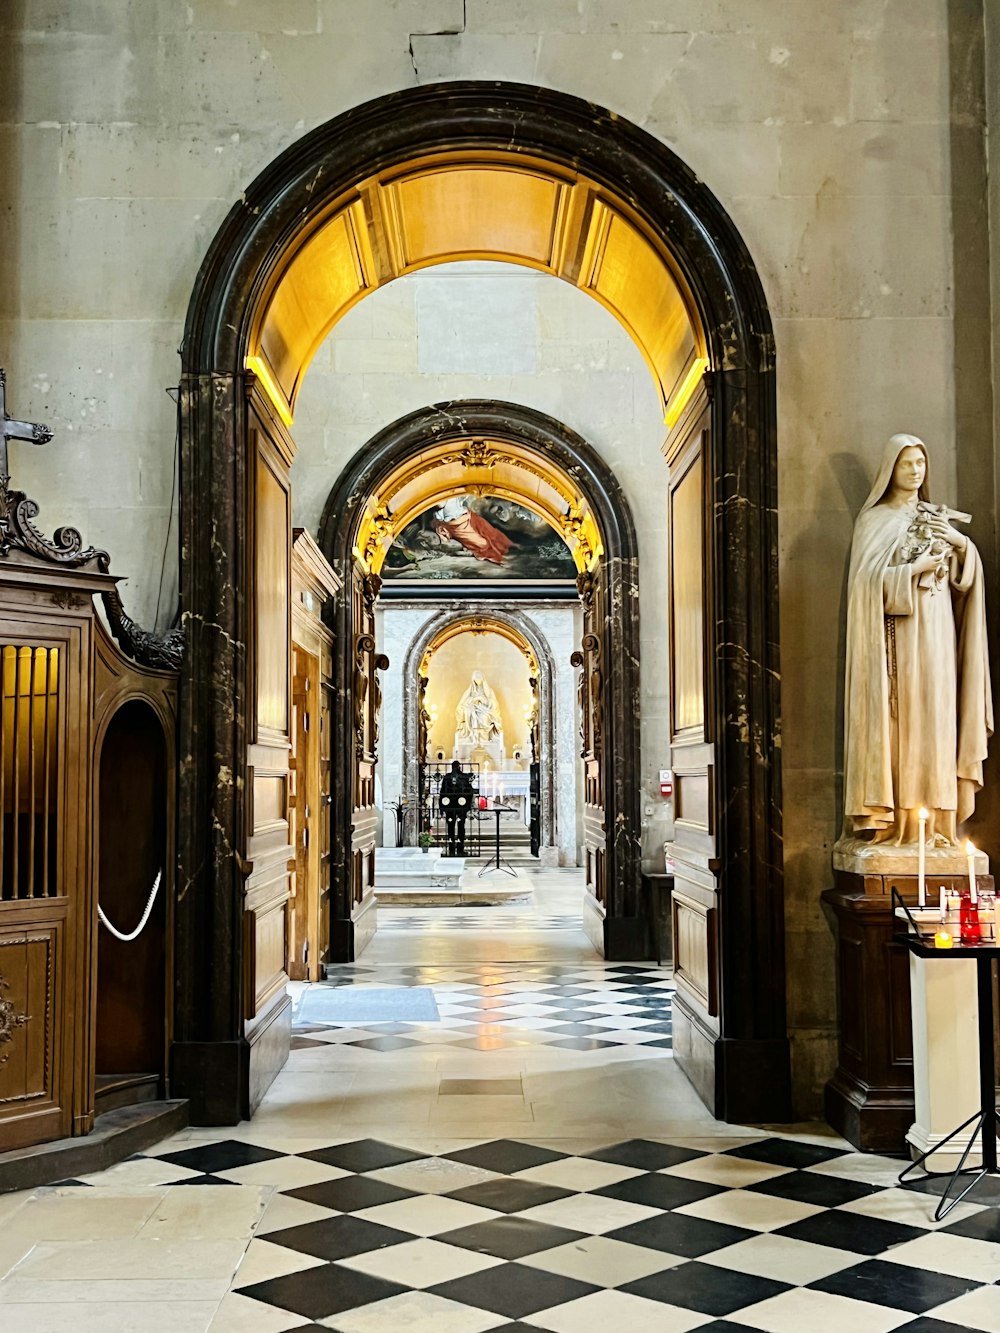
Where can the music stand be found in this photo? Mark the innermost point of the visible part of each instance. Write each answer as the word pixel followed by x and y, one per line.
pixel 496 861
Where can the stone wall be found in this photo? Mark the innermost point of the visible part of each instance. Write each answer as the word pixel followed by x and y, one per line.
pixel 846 141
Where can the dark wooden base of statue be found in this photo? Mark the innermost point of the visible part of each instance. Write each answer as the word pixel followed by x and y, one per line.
pixel 869 1100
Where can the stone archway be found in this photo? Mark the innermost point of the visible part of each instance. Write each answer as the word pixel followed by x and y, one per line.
pixel 735 1039
pixel 521 623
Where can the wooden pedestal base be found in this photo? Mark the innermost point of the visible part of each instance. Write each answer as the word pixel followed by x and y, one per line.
pixel 870 1098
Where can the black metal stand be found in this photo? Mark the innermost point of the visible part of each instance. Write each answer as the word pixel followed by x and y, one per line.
pixel 496 861
pixel 985 1121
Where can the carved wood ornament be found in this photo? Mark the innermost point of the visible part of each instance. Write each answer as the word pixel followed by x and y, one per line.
pixel 66 548
pixel 10 1020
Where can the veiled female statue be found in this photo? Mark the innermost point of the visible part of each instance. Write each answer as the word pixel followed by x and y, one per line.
pixel 478 713
pixel 918 709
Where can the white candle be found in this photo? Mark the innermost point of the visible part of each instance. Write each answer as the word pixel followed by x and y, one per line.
pixel 970 851
pixel 944 905
pixel 922 857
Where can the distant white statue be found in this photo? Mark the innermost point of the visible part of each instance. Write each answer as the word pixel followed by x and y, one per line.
pixel 918 709
pixel 478 713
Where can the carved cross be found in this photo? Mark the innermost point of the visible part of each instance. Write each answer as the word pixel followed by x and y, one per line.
pixel 10 429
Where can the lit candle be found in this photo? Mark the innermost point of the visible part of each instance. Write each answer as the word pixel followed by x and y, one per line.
pixel 970 851
pixel 943 940
pixel 922 858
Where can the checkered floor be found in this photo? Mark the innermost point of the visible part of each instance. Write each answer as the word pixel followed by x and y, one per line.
pixel 396 918
pixel 648 1237
pixel 579 1007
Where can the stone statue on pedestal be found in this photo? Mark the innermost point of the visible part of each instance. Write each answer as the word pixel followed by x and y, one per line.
pixel 918 708
pixel 478 714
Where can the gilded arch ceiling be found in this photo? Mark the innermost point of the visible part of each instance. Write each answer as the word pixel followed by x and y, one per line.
pixel 478 466
pixel 457 206
pixel 479 624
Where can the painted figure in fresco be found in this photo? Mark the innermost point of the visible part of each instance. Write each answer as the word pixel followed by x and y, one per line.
pixel 918 707
pixel 455 521
pixel 478 713
pixel 456 801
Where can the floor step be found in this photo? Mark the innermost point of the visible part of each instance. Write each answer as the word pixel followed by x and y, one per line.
pixel 116 1135
pixel 114 1090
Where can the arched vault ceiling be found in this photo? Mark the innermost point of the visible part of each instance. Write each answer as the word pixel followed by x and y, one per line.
pixel 480 624
pixel 452 207
pixel 477 466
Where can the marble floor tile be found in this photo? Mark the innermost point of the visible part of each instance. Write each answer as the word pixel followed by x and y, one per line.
pixel 210 1212
pixel 617 1309
pixel 589 1213
pixel 167 1317
pixel 756 1212
pixel 427 1215
pixel 603 1262
pixel 122 1260
pixel 421 1263
pixel 238 1314
pixel 801 1308
pixel 416 1312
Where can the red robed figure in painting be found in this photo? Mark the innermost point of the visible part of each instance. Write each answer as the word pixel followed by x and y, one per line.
pixel 455 522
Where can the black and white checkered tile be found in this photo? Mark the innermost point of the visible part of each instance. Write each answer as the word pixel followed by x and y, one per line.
pixel 393 919
pixel 578 1007
pixel 648 1237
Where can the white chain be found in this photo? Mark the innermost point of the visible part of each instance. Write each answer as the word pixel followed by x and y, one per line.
pixel 145 916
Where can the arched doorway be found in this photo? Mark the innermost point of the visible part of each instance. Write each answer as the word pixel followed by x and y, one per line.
pixel 418 461
pixel 483 616
pixel 590 198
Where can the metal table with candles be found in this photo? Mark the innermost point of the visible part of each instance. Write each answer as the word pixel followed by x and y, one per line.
pixel 982 1123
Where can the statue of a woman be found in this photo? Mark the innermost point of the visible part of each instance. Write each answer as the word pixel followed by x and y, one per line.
pixel 478 713
pixel 918 708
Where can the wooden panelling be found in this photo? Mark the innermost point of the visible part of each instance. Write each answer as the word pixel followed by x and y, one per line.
pixel 692 800
pixel 271 596
pixel 29 968
pixel 696 949
pixel 270 947
pixel 314 585
pixel 270 801
pixel 687 593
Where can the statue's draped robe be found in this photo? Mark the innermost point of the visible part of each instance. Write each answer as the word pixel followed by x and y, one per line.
pixel 478 713
pixel 920 739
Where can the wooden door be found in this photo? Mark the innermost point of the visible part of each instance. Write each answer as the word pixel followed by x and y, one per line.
pixel 591 661
pixel 269 860
pixel 46 1071
pixel 695 899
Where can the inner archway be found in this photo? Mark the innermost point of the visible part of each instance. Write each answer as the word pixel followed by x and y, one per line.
pixel 658 221
pixel 523 630
pixel 421 460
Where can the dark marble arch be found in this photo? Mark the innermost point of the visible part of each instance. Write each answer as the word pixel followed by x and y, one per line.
pixel 510 423
pixel 210 1056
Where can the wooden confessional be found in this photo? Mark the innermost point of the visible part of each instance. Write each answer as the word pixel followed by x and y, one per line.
pixel 87 764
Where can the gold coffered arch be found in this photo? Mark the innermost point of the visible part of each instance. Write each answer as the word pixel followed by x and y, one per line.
pixel 478 466
pixel 480 624
pixel 454 206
